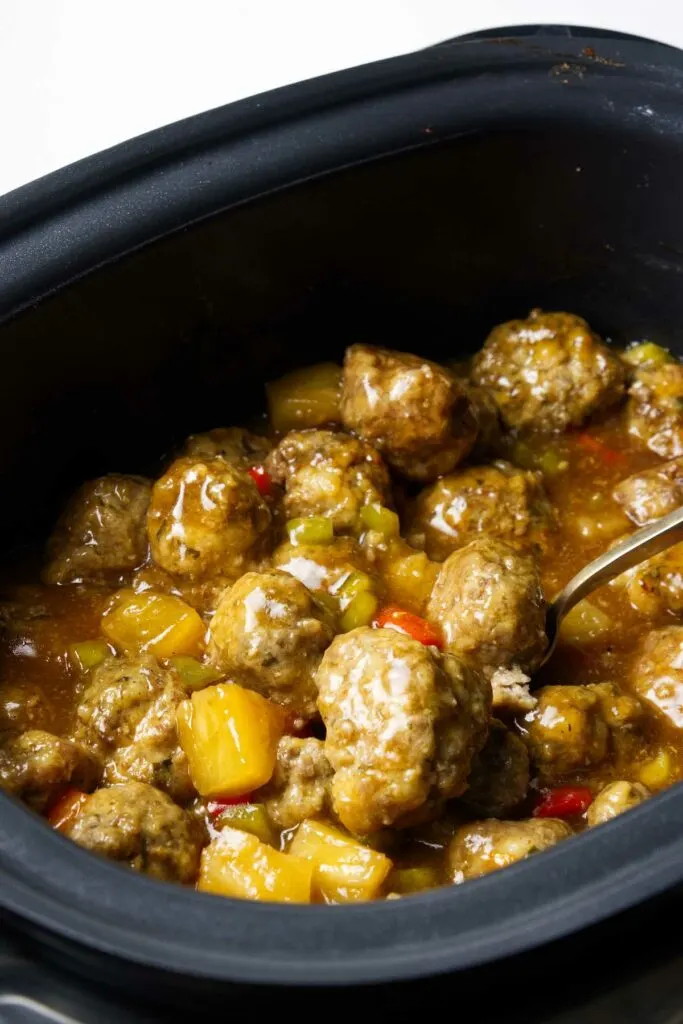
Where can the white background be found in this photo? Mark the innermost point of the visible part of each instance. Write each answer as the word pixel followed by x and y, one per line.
pixel 77 76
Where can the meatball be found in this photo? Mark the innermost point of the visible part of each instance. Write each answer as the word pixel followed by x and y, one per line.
pixel 653 493
pixel 497 500
pixel 487 415
pixel 488 603
pixel 128 716
pixel 415 411
pixel 403 724
pixel 511 692
pixel 269 634
pixel 207 519
pixel 499 778
pixel 655 409
pixel 574 727
pixel 137 825
pixel 615 799
pixel 35 764
pixel 234 444
pixel 657 675
pixel 485 846
pixel 328 474
pixel 656 586
pixel 548 372
pixel 101 529
pixel 300 786
pixel 322 568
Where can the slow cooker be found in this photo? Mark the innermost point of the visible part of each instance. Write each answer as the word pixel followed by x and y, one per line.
pixel 151 289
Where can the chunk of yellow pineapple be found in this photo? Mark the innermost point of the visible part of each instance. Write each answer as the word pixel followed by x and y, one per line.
pixel 230 736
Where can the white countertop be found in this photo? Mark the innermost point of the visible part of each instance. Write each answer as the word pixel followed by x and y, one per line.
pixel 77 76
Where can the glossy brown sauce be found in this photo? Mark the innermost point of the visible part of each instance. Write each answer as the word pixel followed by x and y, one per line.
pixel 41 686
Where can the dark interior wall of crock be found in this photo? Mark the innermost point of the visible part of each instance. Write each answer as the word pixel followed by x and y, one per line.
pixel 424 251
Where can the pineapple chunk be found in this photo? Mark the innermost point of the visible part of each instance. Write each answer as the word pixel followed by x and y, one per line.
pixel 237 864
pixel 159 624
pixel 305 398
pixel 345 870
pixel 230 736
pixel 584 624
pixel 409 578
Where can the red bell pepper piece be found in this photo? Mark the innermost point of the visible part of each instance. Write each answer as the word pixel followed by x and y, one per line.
pixel 563 802
pixel 216 807
pixel 262 479
pixel 606 454
pixel 394 617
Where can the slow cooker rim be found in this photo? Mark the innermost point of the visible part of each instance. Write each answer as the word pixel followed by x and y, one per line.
pixel 20 234
pixel 521 921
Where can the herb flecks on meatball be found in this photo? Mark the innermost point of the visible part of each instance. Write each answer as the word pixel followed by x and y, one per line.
pixel 549 372
pixel 414 411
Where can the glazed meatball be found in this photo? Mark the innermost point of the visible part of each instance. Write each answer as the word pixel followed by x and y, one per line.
pixel 576 727
pixel 206 520
pixel 403 724
pixel 653 493
pixel 656 586
pixel 128 716
pixel 416 412
pixel 614 799
pixel 234 444
pixel 300 787
pixel 328 474
pixel 269 634
pixel 488 603
pixel 657 675
pixel 487 414
pixel 499 779
pixel 497 500
pixel 485 846
pixel 137 825
pixel 102 529
pixel 34 765
pixel 655 408
pixel 548 372
pixel 322 568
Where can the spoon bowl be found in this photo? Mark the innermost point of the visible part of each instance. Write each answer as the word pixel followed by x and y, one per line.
pixel 638 547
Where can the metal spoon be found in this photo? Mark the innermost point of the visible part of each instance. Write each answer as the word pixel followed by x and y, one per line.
pixel 637 548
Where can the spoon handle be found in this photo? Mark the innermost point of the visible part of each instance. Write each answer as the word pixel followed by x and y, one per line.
pixel 641 545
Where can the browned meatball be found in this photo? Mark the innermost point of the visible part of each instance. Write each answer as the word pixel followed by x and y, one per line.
pixel 657 675
pixel 576 727
pixel 35 764
pixel 403 724
pixel 548 372
pixel 138 826
pixel 656 586
pixel 486 846
pixel 655 408
pixel 614 799
pixel 234 444
pixel 322 568
pixel 653 493
pixel 413 410
pixel 487 600
pixel 499 779
pixel 206 520
pixel 269 634
pixel 128 716
pixel 487 414
pixel 300 787
pixel 328 474
pixel 101 529
pixel 498 500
